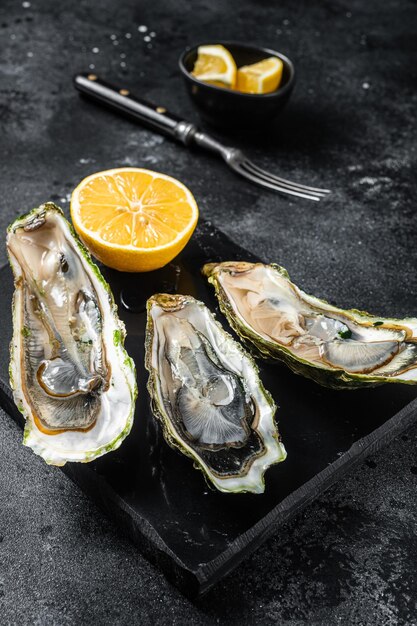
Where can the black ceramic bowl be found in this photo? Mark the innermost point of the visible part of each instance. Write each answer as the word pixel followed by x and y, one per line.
pixel 227 108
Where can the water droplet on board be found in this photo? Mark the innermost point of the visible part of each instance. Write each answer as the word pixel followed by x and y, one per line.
pixel 135 293
pixel 142 28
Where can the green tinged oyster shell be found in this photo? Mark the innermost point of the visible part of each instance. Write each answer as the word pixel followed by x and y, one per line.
pixel 207 395
pixel 71 377
pixel 350 349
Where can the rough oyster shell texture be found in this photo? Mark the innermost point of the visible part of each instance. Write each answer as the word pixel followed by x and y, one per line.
pixel 342 349
pixel 71 376
pixel 206 392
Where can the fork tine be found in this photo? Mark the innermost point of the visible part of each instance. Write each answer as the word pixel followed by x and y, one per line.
pixel 255 178
pixel 288 187
pixel 283 181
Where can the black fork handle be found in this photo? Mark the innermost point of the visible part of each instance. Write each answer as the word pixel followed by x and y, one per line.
pixel 154 117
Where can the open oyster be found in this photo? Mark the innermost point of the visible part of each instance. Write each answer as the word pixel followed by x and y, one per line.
pixel 72 378
pixel 207 394
pixel 336 348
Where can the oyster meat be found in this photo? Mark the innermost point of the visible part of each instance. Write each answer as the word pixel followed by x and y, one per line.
pixel 71 376
pixel 334 347
pixel 207 394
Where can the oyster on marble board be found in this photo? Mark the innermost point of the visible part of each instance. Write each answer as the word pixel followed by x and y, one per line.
pixel 208 396
pixel 71 377
pixel 342 349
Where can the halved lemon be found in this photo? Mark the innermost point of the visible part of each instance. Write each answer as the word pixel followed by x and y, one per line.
pixel 132 219
pixel 262 77
pixel 215 65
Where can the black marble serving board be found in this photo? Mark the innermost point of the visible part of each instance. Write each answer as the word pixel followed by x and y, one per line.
pixel 194 534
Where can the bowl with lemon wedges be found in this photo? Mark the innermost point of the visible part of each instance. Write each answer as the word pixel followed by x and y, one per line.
pixel 237 85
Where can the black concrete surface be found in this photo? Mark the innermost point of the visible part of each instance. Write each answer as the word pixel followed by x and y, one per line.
pixel 350 557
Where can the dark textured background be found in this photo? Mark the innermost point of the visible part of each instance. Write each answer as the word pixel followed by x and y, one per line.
pixel 350 557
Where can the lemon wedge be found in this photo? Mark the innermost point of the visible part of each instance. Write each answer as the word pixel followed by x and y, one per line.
pixel 262 77
pixel 215 65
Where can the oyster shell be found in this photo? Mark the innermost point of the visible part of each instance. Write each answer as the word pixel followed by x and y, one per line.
pixel 72 378
pixel 207 394
pixel 336 348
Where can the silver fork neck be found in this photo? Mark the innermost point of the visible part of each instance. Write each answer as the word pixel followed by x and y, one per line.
pixel 212 145
pixel 184 132
pixel 189 134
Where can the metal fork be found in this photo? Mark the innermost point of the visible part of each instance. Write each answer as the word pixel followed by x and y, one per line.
pixel 157 118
